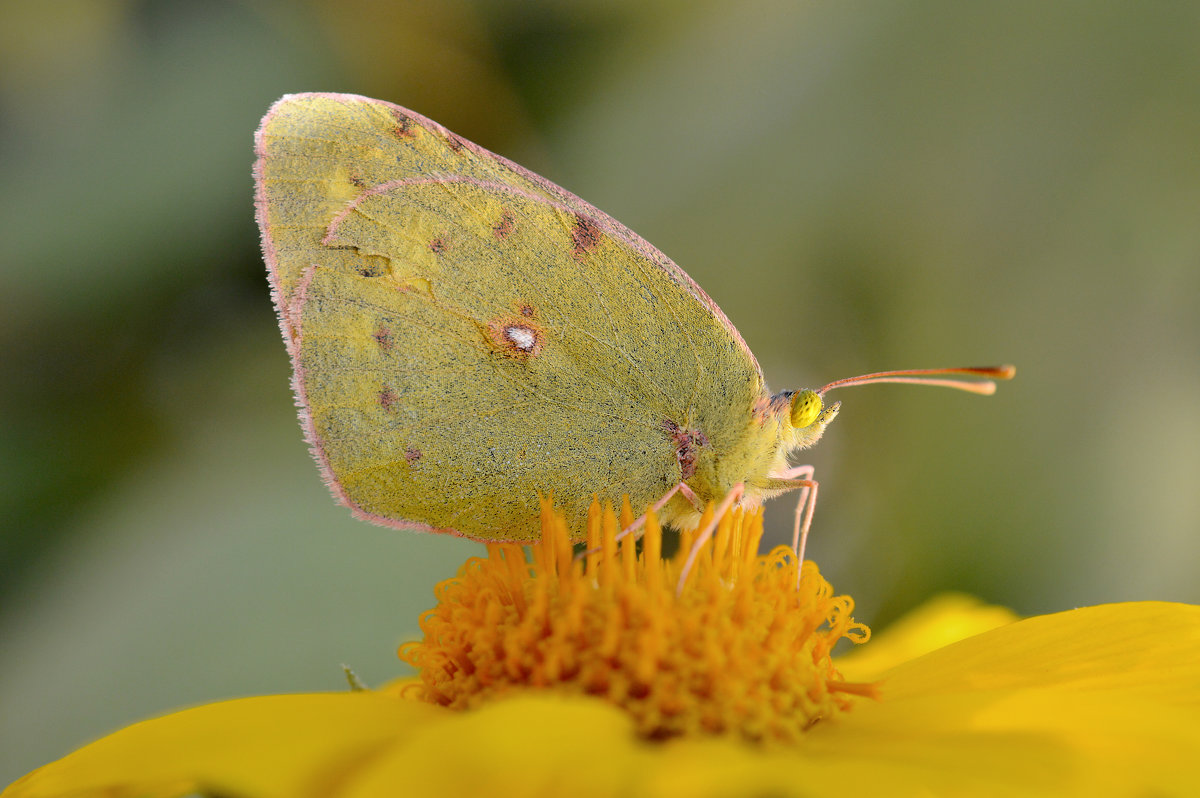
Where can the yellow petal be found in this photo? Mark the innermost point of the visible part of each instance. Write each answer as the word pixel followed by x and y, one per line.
pixel 543 745
pixel 942 620
pixel 1091 702
pixel 291 745
pixel 992 745
pixel 1151 648
pixel 1019 743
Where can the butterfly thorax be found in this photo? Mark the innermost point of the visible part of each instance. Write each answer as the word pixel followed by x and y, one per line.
pixel 757 456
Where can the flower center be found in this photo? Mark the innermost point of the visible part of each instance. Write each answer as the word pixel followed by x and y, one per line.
pixel 739 649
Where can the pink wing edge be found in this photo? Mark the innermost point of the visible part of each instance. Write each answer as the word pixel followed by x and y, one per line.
pixel 289 313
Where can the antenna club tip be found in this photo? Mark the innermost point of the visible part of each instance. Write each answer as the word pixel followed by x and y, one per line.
pixel 1004 372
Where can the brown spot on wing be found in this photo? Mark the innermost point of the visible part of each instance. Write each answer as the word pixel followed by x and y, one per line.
pixel 503 228
pixel 412 454
pixel 388 399
pixel 438 246
pixel 687 443
pixel 383 337
pixel 405 127
pixel 585 236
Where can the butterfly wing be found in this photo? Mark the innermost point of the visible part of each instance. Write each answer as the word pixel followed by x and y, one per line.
pixel 465 334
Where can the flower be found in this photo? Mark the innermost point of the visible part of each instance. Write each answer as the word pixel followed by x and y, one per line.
pixel 548 677
pixel 738 644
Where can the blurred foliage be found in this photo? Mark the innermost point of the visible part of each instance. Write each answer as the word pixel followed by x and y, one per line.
pixel 860 186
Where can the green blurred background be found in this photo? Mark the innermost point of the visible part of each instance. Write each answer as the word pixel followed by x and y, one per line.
pixel 859 185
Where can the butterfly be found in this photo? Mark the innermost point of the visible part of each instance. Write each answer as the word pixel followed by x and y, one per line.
pixel 467 335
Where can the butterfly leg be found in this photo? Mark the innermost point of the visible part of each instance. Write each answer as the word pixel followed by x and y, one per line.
pixel 705 534
pixel 680 488
pixel 801 478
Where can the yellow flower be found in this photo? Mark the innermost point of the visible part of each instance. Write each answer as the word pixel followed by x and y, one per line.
pixel 736 644
pixel 595 677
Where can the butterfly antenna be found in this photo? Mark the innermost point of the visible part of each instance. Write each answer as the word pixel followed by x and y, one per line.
pixel 981 380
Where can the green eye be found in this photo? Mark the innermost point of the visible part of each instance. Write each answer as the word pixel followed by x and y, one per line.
pixel 806 406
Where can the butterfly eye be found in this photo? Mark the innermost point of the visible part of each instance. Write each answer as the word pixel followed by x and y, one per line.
pixel 806 407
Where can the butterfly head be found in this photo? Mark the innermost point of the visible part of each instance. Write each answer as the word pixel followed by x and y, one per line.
pixel 808 415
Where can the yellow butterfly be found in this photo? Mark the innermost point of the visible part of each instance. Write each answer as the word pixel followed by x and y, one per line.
pixel 465 334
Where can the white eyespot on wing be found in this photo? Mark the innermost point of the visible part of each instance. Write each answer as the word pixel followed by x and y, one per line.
pixel 522 338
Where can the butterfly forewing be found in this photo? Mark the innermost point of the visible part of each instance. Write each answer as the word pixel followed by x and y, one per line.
pixel 466 334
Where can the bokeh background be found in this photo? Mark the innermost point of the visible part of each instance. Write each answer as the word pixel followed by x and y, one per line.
pixel 859 185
